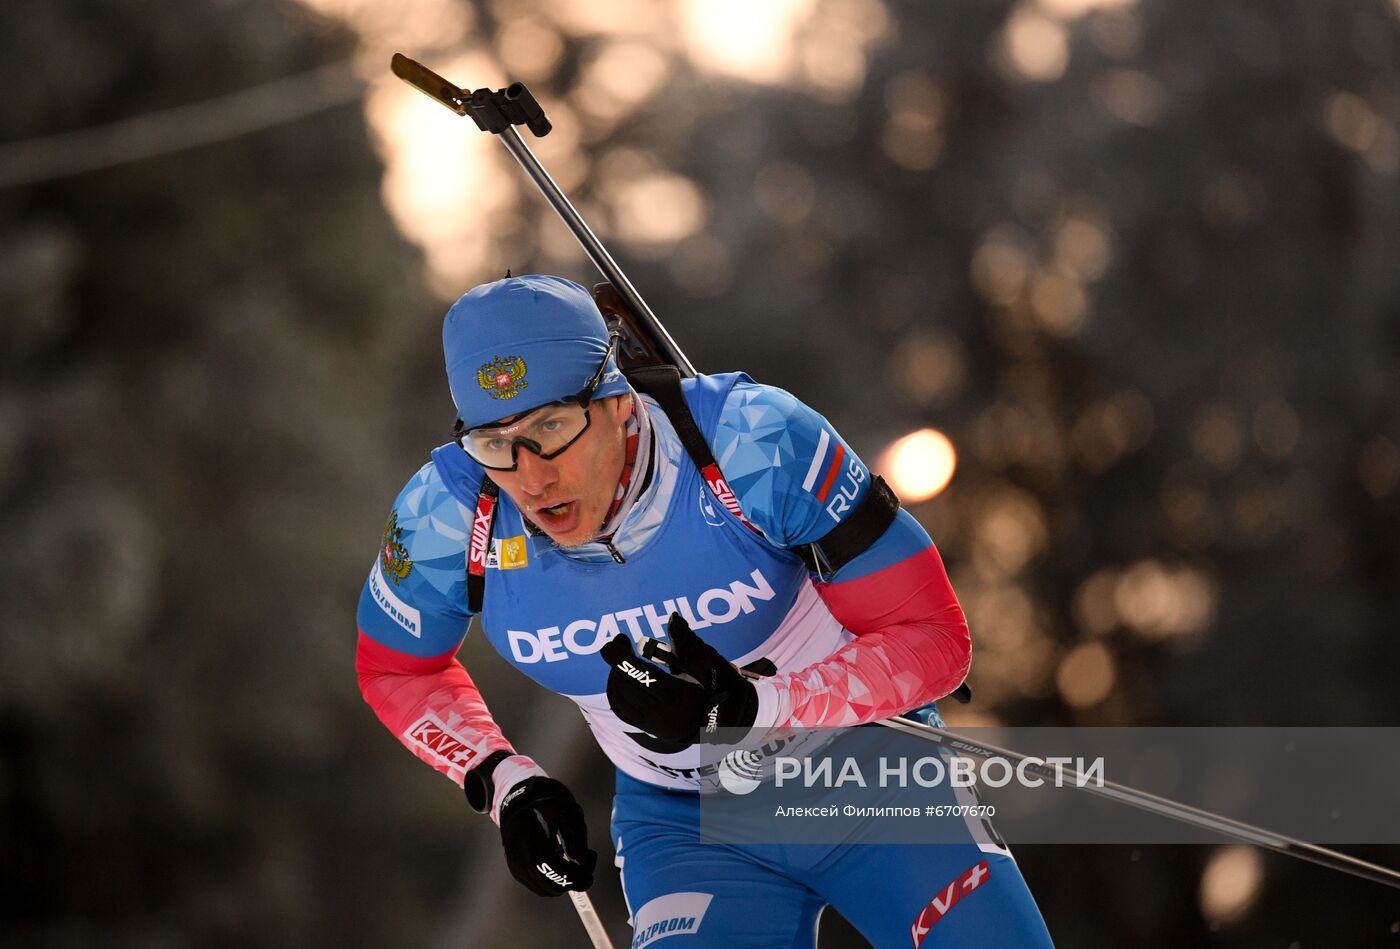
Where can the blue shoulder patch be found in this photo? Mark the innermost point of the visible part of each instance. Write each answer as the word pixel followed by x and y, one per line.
pixel 794 477
pixel 415 598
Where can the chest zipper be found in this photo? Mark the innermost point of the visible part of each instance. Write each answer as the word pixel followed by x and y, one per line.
pixel 616 554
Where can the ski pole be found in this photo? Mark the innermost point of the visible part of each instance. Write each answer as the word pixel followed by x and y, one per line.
pixel 583 905
pixel 589 917
pixel 1164 807
pixel 498 112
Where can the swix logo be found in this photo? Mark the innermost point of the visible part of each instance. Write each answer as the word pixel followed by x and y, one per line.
pixel 645 678
pixel 946 900
pixel 844 497
pixel 481 535
pixel 430 734
pixel 551 876
pixel 583 637
pixel 721 489
pixel 712 720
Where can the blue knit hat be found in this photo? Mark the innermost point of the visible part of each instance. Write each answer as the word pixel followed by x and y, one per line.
pixel 522 342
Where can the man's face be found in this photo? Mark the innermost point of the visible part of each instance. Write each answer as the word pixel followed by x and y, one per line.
pixel 568 496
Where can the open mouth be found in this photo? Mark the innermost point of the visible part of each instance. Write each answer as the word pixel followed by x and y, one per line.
pixel 556 517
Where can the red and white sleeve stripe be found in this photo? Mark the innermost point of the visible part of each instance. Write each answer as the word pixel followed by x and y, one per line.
pixel 431 705
pixel 912 646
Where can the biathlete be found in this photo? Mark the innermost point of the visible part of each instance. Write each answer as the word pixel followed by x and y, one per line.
pixel 581 513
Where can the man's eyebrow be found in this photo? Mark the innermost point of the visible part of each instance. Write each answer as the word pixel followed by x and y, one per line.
pixel 503 422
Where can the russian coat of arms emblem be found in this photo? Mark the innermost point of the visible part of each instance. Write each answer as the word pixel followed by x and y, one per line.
pixel 502 377
pixel 394 555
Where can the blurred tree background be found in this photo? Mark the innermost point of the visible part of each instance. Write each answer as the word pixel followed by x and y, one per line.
pixel 1136 260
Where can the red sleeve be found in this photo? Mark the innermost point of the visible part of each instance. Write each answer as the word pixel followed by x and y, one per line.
pixel 912 647
pixel 430 704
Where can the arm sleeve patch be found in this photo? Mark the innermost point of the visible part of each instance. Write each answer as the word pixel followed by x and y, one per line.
pixel 793 475
pixel 414 599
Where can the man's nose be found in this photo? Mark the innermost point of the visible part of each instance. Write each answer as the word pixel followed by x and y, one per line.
pixel 535 474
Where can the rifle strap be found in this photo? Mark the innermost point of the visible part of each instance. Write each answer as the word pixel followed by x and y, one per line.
pixel 480 546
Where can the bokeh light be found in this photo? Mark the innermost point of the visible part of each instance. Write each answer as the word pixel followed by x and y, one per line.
pixel 913 133
pixel 1086 675
pixel 617 78
pixel 588 18
pixel 1094 612
pixel 529 49
pixel 919 465
pixel 1058 301
pixel 1074 9
pixel 1000 267
pixel 1160 602
pixel 1083 244
pixel 752 41
pixel 652 212
pixel 1035 47
pixel 822 45
pixel 1010 529
pixel 443 184
pixel 931 367
pixel 411 24
pixel 1231 883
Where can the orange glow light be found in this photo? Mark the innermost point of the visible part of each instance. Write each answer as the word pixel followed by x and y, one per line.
pixel 1231 883
pixel 920 464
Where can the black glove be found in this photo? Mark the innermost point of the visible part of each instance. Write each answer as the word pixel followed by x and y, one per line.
pixel 700 692
pixel 545 837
